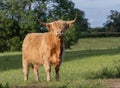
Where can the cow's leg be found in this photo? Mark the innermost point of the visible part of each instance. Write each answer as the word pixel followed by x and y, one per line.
pixel 57 68
pixel 47 69
pixel 35 69
pixel 25 68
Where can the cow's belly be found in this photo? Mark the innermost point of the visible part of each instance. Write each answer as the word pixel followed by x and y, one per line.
pixel 33 58
pixel 36 61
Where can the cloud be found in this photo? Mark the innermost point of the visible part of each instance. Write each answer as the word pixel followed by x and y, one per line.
pixel 97 9
pixel 96 3
pixel 91 20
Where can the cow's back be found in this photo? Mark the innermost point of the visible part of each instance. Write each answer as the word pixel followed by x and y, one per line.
pixel 30 48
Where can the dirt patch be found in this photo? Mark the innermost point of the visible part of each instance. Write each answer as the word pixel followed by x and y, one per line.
pixel 37 85
pixel 109 83
pixel 112 83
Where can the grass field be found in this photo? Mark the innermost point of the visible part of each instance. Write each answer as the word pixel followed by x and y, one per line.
pixel 97 43
pixel 89 56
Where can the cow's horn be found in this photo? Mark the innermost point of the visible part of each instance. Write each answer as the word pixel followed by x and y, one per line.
pixel 70 22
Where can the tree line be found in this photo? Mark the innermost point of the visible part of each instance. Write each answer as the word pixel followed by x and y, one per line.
pixel 20 17
pixel 111 28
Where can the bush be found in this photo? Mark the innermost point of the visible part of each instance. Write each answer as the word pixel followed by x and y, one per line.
pixel 3 46
pixel 14 44
pixel 71 37
pixel 113 71
pixel 99 34
pixel 5 86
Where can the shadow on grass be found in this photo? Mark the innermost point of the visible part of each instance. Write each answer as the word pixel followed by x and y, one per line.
pixel 81 54
pixel 10 62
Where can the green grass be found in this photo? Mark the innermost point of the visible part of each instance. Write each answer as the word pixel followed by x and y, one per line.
pixel 97 43
pixel 75 70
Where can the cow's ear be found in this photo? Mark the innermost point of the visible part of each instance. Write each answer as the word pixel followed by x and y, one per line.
pixel 48 26
pixel 67 26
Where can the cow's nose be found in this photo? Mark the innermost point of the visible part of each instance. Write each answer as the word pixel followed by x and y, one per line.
pixel 59 32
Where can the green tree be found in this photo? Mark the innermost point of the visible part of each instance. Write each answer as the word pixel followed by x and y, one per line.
pixel 113 22
pixel 19 17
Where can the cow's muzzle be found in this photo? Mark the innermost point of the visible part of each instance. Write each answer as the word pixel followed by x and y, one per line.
pixel 59 33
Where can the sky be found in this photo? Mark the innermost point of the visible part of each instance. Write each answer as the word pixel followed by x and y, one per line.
pixel 96 11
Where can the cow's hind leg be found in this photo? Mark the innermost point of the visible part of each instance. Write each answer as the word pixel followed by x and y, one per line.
pixel 35 69
pixel 57 68
pixel 25 68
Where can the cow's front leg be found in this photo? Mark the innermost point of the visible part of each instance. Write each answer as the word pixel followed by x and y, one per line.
pixel 47 69
pixel 57 68
pixel 35 69
pixel 25 68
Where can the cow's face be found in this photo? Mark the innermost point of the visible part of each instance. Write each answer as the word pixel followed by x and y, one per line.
pixel 59 27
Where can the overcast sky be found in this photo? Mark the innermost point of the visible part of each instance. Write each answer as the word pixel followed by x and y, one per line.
pixel 97 10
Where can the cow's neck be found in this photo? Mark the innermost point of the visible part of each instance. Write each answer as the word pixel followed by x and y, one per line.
pixel 59 40
pixel 59 45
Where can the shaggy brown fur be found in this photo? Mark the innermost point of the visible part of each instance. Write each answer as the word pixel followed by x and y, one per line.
pixel 45 49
